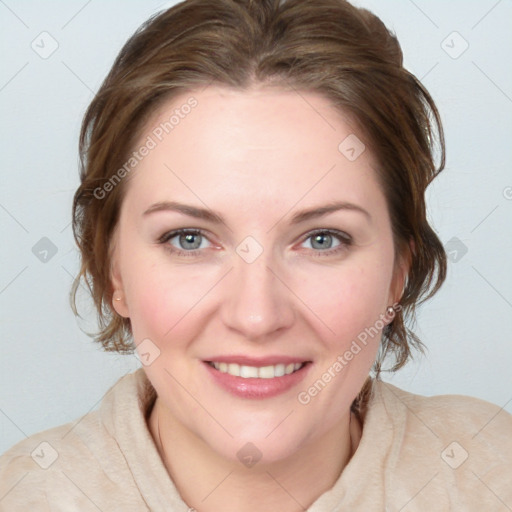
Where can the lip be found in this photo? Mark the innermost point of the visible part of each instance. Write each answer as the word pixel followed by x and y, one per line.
pixel 256 361
pixel 255 388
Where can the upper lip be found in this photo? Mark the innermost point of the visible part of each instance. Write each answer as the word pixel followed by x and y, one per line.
pixel 256 361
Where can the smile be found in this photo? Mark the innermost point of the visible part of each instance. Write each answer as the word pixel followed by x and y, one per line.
pixel 257 379
pixel 262 372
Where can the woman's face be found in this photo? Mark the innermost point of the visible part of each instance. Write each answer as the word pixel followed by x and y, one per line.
pixel 290 260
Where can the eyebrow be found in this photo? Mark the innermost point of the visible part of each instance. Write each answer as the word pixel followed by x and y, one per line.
pixel 216 218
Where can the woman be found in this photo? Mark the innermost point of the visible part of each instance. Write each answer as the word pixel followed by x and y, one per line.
pixel 251 219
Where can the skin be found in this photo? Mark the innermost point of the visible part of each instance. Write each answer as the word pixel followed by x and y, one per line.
pixel 257 157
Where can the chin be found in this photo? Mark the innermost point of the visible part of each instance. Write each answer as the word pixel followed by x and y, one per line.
pixel 260 443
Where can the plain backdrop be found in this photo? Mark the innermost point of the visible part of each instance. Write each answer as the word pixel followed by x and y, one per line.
pixel 54 57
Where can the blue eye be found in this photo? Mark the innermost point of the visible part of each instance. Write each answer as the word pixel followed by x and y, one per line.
pixel 322 241
pixel 189 240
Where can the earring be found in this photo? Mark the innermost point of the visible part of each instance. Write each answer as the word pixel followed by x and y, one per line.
pixel 390 311
pixel 118 298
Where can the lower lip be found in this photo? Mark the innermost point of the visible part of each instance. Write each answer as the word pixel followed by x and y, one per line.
pixel 257 388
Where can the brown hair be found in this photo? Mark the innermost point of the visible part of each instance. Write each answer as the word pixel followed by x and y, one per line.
pixel 325 46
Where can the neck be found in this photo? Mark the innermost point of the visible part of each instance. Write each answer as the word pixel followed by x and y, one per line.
pixel 209 482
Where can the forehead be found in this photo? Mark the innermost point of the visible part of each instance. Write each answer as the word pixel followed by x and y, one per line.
pixel 260 145
pixel 270 118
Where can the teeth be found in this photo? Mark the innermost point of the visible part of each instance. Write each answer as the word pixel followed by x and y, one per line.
pixel 263 372
pixel 234 369
pixel 278 370
pixel 266 372
pixel 248 371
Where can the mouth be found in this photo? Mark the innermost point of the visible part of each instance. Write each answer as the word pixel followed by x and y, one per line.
pixel 256 372
pixel 257 379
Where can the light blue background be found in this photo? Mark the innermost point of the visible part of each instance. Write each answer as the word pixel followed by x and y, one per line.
pixel 52 373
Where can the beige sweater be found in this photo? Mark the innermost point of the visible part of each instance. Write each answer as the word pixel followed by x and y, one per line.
pixel 416 454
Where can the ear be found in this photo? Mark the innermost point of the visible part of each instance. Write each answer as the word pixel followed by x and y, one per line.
pixel 118 291
pixel 403 263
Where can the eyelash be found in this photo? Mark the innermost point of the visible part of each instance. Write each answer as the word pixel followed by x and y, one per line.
pixel 344 239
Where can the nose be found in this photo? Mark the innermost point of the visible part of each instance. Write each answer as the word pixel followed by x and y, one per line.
pixel 258 304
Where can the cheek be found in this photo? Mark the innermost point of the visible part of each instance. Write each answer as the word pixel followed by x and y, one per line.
pixel 349 300
pixel 162 301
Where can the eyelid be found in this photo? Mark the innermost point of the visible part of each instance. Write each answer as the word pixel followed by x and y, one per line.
pixel 344 238
pixel 180 231
pixel 169 235
pixel 331 231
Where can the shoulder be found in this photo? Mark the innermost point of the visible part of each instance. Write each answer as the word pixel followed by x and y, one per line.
pixel 37 463
pixel 65 467
pixel 62 468
pixel 466 420
pixel 449 412
pixel 460 448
